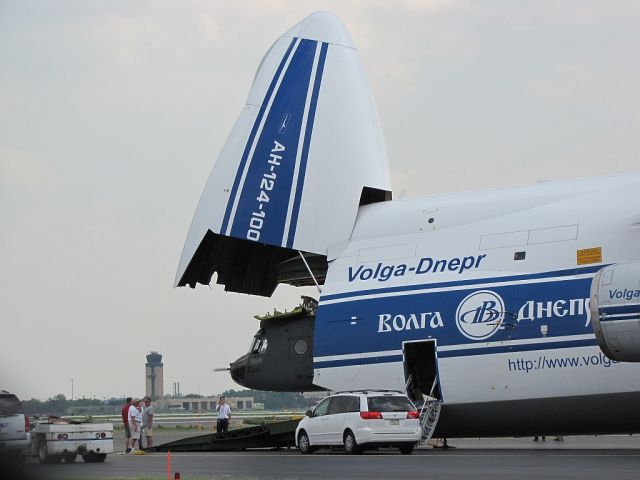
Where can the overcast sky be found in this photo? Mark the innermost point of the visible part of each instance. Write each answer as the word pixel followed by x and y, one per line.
pixel 113 112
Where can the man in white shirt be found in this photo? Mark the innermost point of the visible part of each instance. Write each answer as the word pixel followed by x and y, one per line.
pixel 147 421
pixel 224 416
pixel 134 423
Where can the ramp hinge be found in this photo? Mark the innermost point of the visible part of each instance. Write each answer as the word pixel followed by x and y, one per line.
pixel 310 272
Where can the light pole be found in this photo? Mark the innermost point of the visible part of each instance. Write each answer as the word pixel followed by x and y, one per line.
pixel 72 389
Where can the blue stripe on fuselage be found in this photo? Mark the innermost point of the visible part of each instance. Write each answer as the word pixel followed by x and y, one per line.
pixel 252 135
pixel 620 318
pixel 307 141
pixel 357 361
pixel 459 353
pixel 352 327
pixel 460 283
pixel 264 200
pixel 620 309
pixel 616 313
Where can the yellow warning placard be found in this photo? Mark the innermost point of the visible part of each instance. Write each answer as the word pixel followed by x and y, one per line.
pixel 589 255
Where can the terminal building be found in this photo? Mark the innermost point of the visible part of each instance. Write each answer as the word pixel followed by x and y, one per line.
pixel 207 404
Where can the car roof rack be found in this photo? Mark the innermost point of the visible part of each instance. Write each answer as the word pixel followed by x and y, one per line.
pixel 382 390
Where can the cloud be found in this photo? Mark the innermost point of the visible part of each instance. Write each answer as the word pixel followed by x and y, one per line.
pixel 581 84
pixel 23 169
pixel 112 114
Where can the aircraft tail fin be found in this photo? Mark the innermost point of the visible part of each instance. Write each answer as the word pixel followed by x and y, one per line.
pixel 306 151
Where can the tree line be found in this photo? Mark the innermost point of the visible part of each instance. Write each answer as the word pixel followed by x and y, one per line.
pixel 273 400
pixel 60 405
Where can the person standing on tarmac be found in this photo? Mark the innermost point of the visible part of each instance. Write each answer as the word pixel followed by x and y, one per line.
pixel 224 416
pixel 139 422
pixel 147 421
pixel 134 425
pixel 125 421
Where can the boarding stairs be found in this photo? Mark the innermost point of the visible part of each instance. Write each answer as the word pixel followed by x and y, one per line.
pixel 429 413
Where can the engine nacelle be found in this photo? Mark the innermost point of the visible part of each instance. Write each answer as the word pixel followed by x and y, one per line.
pixel 615 311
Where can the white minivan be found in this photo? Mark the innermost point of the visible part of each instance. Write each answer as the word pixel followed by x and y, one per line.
pixel 359 420
pixel 14 427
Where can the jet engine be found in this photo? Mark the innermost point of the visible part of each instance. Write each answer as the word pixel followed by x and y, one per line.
pixel 280 357
pixel 615 311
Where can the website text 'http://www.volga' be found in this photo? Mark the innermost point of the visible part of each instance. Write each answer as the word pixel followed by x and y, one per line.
pixel 548 363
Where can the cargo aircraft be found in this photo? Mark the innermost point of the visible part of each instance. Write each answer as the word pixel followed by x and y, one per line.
pixel 517 308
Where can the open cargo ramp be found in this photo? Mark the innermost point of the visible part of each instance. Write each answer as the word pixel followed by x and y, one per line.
pixel 271 435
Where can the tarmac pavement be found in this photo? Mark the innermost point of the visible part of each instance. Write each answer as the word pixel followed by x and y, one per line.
pixel 616 457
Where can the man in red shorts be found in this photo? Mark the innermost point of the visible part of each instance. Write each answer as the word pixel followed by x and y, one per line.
pixel 125 421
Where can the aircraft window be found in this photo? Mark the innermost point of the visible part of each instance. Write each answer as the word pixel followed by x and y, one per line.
pixel 255 346
pixel 301 346
pixel 519 255
pixel 255 343
pixel 322 408
pixel 263 346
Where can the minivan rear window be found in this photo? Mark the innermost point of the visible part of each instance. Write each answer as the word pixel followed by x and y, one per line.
pixel 389 404
pixel 10 405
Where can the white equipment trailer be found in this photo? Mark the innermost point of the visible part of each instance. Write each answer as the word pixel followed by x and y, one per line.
pixel 54 440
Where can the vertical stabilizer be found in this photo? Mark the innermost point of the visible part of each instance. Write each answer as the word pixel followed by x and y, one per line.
pixel 305 152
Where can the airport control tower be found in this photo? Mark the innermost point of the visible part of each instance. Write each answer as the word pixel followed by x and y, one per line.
pixel 153 375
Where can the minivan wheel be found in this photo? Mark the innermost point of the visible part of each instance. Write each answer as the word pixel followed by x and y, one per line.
pixel 406 449
pixel 350 444
pixel 303 443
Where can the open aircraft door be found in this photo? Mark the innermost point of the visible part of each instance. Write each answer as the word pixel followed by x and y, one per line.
pixel 306 152
pixel 420 360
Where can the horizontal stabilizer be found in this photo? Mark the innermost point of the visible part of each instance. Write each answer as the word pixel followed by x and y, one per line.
pixel 305 152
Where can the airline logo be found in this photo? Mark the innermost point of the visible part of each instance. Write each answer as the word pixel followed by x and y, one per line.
pixel 383 271
pixel 480 314
pixel 388 322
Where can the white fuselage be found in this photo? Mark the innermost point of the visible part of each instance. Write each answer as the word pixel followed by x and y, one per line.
pixel 499 279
